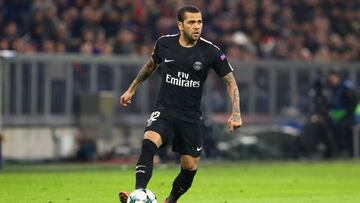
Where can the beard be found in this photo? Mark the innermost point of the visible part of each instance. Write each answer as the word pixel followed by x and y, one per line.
pixel 188 37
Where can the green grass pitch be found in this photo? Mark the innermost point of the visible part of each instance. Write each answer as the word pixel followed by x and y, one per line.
pixel 216 182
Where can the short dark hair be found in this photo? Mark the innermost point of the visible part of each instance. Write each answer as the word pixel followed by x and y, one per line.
pixel 188 8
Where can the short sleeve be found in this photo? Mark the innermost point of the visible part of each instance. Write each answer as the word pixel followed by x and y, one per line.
pixel 221 65
pixel 155 54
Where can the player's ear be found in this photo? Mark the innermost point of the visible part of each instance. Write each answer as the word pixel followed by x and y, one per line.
pixel 180 25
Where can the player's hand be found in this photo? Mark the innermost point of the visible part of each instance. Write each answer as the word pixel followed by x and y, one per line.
pixel 234 121
pixel 125 99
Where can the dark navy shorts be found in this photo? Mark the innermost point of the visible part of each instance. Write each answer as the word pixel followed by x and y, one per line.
pixel 185 137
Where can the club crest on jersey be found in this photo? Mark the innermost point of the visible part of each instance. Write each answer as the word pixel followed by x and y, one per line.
pixel 198 65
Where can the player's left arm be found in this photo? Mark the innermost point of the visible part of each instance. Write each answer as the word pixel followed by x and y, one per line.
pixel 235 119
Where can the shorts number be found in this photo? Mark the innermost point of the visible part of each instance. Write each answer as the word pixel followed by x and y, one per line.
pixel 154 115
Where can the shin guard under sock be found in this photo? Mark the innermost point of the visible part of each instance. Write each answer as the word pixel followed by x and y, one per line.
pixel 181 184
pixel 144 165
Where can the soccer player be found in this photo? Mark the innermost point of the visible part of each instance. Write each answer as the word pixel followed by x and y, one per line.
pixel 185 60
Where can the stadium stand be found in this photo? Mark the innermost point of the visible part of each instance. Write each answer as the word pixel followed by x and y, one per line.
pixel 310 30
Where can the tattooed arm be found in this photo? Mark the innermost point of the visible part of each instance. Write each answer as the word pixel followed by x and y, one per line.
pixel 233 92
pixel 149 67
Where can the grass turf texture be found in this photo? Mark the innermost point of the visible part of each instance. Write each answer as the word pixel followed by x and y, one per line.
pixel 268 182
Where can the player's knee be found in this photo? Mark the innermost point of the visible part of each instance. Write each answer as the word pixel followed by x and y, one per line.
pixel 154 137
pixel 189 163
pixel 189 167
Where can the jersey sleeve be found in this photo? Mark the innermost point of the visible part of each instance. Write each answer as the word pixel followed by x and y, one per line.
pixel 221 65
pixel 156 54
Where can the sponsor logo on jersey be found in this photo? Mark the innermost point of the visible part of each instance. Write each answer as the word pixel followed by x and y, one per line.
pixel 182 80
pixel 197 65
pixel 168 60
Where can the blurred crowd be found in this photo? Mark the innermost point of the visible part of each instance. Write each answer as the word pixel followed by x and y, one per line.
pixel 306 30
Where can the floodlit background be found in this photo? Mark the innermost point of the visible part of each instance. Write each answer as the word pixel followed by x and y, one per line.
pixel 65 63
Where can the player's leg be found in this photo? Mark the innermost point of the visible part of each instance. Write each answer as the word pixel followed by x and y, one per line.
pixel 152 141
pixel 183 181
pixel 188 142
pixel 157 132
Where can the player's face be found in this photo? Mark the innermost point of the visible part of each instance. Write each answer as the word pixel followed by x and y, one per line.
pixel 191 27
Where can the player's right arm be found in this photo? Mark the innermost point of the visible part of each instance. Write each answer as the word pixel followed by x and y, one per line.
pixel 149 67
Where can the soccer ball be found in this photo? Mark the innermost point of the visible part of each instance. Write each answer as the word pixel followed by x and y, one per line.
pixel 142 196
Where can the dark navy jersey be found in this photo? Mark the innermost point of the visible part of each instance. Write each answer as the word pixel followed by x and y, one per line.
pixel 183 73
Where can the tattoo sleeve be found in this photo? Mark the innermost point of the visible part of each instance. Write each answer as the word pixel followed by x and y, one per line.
pixel 149 67
pixel 233 92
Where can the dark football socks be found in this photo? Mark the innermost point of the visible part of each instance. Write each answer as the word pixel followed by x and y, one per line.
pixel 144 165
pixel 181 184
